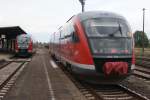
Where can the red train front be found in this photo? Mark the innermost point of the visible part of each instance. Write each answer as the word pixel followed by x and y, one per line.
pixel 24 45
pixel 97 46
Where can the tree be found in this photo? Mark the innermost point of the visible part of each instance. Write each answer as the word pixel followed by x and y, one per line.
pixel 138 35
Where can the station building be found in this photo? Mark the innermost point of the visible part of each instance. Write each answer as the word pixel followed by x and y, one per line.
pixel 8 37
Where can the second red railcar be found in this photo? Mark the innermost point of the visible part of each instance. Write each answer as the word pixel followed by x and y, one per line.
pixel 24 45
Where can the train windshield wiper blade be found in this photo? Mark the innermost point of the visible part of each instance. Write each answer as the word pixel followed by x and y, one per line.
pixel 119 29
pixel 112 34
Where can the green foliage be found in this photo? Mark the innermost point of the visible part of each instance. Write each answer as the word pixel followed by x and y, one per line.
pixel 138 35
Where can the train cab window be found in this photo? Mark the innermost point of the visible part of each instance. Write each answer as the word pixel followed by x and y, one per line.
pixel 108 36
pixel 104 27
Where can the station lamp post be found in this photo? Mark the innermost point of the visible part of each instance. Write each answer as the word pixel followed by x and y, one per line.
pixel 143 31
pixel 82 4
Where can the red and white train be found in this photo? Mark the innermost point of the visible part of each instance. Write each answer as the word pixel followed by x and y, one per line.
pixel 96 46
pixel 24 45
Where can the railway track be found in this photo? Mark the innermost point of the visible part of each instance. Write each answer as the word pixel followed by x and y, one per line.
pixel 8 74
pixel 4 64
pixel 144 58
pixel 103 92
pixel 142 68
pixel 15 59
pixel 113 92
pixel 143 61
pixel 141 72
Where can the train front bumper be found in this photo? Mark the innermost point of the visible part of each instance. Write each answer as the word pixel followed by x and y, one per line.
pixel 92 76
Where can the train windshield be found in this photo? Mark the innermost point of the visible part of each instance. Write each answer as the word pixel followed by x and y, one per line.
pixel 23 40
pixel 111 45
pixel 108 36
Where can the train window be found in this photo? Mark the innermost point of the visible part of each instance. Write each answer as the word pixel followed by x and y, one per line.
pixel 23 39
pixel 105 27
pixel 75 38
pixel 68 33
pixel 57 36
pixel 68 36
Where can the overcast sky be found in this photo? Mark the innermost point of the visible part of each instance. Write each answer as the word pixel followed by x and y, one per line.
pixel 42 17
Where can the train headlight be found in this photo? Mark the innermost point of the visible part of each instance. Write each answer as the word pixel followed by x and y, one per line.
pixel 132 66
pixel 129 34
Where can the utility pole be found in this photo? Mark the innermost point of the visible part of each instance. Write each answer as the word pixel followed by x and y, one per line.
pixel 143 31
pixel 82 4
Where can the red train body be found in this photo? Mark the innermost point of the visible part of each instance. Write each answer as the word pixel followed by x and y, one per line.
pixel 96 46
pixel 24 45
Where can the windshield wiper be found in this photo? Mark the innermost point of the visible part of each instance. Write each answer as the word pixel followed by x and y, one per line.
pixel 112 34
pixel 119 29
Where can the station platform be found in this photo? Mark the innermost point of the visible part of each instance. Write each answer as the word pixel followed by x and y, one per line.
pixel 41 79
pixel 5 56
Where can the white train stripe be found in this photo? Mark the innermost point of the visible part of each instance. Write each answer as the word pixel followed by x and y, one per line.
pixel 83 66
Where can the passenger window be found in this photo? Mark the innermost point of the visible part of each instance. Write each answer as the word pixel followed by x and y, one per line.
pixel 75 38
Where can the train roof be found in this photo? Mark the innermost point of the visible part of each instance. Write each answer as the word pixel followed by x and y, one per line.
pixel 23 35
pixel 98 14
